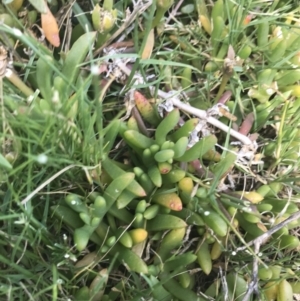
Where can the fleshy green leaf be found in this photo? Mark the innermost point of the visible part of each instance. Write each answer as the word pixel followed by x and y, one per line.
pixel 4 162
pixel 39 5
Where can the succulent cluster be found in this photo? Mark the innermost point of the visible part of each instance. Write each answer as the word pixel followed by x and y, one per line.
pixel 166 187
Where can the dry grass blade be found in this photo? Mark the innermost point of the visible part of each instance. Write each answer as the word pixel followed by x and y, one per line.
pixel 3 66
pixel 3 61
pixel 149 45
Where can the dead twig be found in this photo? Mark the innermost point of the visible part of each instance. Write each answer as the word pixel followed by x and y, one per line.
pixel 262 238
pixel 257 242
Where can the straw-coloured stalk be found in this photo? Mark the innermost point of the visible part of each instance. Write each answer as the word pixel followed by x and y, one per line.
pixel 3 61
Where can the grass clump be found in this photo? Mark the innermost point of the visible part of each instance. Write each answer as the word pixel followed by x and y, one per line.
pixel 149 150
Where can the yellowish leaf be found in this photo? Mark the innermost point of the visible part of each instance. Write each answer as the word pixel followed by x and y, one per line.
pixel 50 28
pixel 146 54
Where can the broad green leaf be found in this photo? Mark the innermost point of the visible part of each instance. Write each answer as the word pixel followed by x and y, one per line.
pixel 39 5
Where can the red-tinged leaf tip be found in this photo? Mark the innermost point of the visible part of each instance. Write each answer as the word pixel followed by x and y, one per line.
pixel 139 97
pixel 55 41
pixel 247 124
pixel 175 206
pixel 247 19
